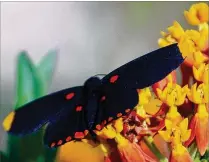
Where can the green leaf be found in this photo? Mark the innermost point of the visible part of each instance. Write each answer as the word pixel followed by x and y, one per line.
pixel 45 70
pixel 32 83
pixel 3 157
pixel 25 80
pixel 206 155
pixel 193 150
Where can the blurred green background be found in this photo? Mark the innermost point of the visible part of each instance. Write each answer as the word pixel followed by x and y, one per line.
pixel 90 38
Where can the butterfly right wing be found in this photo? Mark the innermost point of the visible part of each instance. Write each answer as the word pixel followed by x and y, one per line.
pixel 31 116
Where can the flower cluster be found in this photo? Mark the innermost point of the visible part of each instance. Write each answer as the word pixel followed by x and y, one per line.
pixel 171 122
pixel 192 43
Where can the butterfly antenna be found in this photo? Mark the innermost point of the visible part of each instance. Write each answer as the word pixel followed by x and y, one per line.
pixel 100 75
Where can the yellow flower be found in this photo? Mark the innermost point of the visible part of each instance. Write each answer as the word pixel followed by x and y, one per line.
pixel 163 42
pixel 203 40
pixel 118 125
pixel 173 94
pixel 173 115
pixel 197 14
pixel 198 95
pixel 201 73
pixel 174 34
pixel 144 98
pixel 199 58
pixel 176 133
pixel 187 47
pixel 107 132
pixel 176 31
pixel 200 38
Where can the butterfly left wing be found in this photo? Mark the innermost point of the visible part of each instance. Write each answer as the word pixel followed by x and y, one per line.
pixel 71 125
pixel 31 116
pixel 120 86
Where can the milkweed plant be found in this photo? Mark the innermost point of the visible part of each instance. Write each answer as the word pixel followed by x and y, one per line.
pixel 171 121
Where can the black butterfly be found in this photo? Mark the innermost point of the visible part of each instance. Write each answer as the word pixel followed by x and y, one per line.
pixel 74 112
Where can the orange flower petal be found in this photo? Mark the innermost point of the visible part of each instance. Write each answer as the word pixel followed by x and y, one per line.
pixel 132 152
pixel 202 134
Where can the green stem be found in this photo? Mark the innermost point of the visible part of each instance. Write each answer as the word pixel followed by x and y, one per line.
pixel 150 143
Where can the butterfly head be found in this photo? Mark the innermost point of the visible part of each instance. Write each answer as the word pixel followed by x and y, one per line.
pixel 92 84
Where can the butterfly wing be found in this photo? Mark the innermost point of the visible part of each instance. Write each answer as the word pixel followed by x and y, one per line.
pixel 120 86
pixel 146 70
pixel 71 125
pixel 32 116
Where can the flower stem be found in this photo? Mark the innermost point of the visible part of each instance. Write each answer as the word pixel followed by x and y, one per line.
pixel 150 143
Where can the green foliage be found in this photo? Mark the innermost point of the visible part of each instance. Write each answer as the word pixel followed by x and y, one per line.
pixel 32 82
pixel 3 157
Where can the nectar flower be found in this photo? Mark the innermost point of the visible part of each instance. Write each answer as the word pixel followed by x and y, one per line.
pixel 144 98
pixel 176 30
pixel 200 122
pixel 173 94
pixel 187 47
pixel 174 34
pixel 107 132
pixel 163 83
pixel 197 14
pixel 199 58
pixel 200 38
pixel 176 135
pixel 173 130
pixel 198 95
pixel 201 73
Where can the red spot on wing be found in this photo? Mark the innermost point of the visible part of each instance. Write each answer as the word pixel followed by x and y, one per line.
pixel 104 122
pixel 59 142
pixel 86 132
pixel 70 96
pixel 78 108
pixel 119 115
pixel 110 119
pixel 98 127
pixel 68 138
pixel 53 144
pixel 127 110
pixel 79 135
pixel 103 98
pixel 114 78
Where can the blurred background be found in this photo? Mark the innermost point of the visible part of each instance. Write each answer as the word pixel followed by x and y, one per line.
pixel 91 37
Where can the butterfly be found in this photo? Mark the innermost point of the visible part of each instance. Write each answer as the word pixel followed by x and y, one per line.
pixel 71 114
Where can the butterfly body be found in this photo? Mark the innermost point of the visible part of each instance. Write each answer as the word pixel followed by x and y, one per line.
pixel 73 113
pixel 92 89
